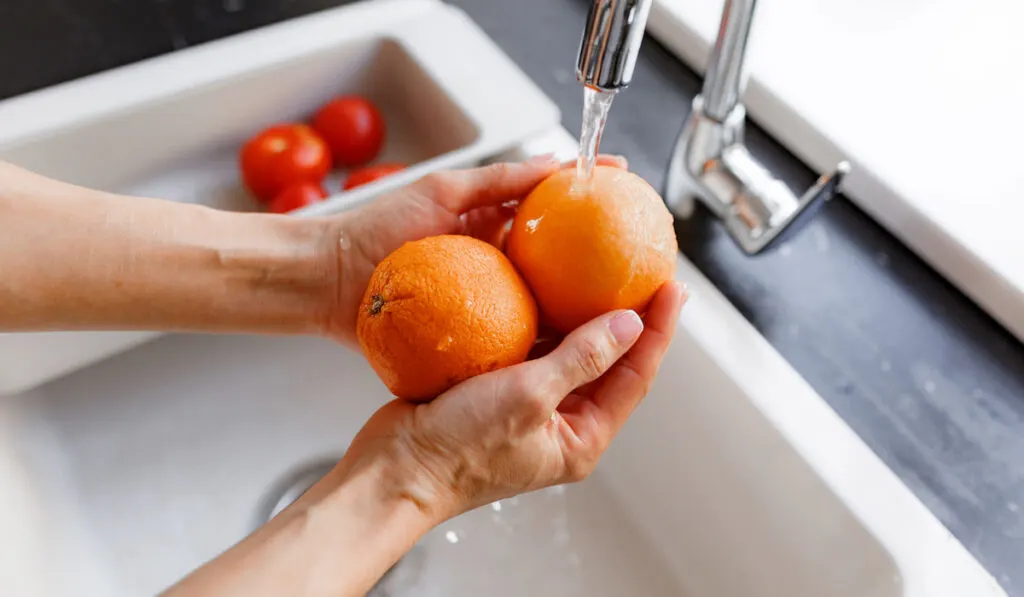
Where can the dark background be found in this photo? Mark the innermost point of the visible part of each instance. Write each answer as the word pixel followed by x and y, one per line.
pixel 930 382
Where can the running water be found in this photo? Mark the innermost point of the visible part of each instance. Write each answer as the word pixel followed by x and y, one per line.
pixel 596 103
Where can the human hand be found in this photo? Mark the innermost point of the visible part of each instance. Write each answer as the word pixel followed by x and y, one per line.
pixel 479 202
pixel 532 425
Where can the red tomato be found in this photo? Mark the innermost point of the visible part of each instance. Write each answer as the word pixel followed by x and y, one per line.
pixel 353 128
pixel 370 174
pixel 283 155
pixel 297 196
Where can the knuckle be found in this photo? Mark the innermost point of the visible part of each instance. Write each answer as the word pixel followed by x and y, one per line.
pixel 591 358
pixel 499 171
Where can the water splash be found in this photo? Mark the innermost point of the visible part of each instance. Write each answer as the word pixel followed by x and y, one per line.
pixel 596 104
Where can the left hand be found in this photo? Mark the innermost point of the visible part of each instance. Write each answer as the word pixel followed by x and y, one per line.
pixel 478 202
pixel 539 423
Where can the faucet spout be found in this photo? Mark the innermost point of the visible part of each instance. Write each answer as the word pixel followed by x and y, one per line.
pixel 611 42
pixel 724 79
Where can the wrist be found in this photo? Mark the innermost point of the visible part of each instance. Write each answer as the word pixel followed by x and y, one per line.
pixel 396 485
pixel 343 256
pixel 285 269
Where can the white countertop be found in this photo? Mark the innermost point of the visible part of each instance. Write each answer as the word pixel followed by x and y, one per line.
pixel 922 97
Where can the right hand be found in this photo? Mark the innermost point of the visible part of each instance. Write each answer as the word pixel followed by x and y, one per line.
pixel 525 427
pixel 478 202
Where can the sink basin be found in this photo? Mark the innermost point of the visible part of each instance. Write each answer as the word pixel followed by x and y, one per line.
pixel 734 479
pixel 125 466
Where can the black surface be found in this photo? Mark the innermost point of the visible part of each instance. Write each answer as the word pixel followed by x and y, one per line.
pixel 931 383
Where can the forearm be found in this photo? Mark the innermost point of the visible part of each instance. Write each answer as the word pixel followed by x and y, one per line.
pixel 336 541
pixel 72 258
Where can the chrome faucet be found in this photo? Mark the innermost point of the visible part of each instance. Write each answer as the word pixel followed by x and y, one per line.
pixel 611 43
pixel 710 163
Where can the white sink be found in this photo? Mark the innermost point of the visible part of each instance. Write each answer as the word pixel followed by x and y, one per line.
pixel 734 479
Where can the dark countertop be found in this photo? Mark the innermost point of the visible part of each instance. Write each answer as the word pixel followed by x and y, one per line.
pixel 929 381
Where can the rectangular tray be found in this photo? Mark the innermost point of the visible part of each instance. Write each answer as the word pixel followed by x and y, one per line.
pixel 171 127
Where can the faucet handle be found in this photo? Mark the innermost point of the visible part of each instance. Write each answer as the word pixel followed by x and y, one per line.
pixel 766 212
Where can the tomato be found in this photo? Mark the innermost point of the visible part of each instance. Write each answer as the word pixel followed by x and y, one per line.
pixel 353 128
pixel 282 155
pixel 369 174
pixel 297 196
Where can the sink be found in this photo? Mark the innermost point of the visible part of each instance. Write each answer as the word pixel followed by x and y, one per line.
pixel 125 466
pixel 733 479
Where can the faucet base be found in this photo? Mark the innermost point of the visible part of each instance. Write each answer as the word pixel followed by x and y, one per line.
pixel 710 164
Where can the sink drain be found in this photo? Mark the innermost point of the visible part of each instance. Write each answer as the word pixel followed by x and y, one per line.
pixel 402 575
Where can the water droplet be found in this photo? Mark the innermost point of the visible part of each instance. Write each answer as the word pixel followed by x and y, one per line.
pixel 929 386
pixel 344 242
pixel 496 506
pixel 531 225
pixel 1012 506
pixel 886 366
pixel 452 537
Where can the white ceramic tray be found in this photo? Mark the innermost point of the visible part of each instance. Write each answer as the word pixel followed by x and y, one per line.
pixel 171 127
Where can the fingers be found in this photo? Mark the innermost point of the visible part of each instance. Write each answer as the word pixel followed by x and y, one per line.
pixel 490 224
pixel 627 383
pixel 585 355
pixel 459 191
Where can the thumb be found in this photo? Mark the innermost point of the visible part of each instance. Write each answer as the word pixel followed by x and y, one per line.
pixel 586 354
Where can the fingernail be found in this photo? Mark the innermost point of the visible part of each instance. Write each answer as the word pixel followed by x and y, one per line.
pixel 626 327
pixel 622 160
pixel 541 160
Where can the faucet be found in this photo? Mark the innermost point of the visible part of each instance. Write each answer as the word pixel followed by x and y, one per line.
pixel 710 163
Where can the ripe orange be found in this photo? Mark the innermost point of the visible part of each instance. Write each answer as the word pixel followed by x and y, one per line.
pixel 442 309
pixel 589 248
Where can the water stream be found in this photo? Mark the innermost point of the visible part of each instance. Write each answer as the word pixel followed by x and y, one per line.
pixel 596 104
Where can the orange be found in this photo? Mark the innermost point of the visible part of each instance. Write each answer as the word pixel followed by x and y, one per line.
pixel 442 309
pixel 589 248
